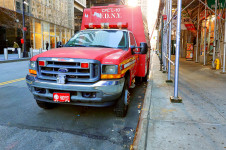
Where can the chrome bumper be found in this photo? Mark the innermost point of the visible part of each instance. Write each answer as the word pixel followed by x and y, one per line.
pixel 106 91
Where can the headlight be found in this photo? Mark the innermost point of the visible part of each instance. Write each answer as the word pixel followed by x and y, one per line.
pixel 32 65
pixel 109 69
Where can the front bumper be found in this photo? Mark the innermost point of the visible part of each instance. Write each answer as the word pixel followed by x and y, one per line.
pixel 106 91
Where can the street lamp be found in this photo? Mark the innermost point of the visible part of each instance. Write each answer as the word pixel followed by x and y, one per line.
pixel 25 53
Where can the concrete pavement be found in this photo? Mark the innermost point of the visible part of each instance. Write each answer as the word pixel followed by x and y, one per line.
pixel 199 123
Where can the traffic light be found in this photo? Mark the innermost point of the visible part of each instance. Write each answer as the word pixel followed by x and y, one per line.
pixel 22 41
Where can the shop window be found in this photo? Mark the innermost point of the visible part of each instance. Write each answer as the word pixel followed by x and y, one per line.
pixel 45 39
pixel 52 29
pixel 45 28
pixel 57 31
pixel 32 40
pixel 52 42
pixel 63 41
pixel 63 33
pixel 38 28
pixel 38 41
pixel 31 26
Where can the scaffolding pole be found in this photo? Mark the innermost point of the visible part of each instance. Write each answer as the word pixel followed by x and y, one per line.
pixel 204 63
pixel 165 42
pixel 161 44
pixel 210 9
pixel 175 98
pixel 169 52
pixel 224 46
pixel 214 41
pixel 197 38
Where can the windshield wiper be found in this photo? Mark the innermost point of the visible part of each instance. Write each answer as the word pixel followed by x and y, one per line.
pixel 76 45
pixel 100 46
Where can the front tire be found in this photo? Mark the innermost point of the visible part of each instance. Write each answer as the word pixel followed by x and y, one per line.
pixel 45 105
pixel 121 106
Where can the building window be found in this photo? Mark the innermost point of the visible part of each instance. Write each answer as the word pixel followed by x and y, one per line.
pixel 18 6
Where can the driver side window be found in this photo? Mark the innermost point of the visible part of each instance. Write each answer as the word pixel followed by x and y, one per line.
pixel 132 40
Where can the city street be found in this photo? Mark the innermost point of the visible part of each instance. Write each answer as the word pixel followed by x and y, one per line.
pixel 23 125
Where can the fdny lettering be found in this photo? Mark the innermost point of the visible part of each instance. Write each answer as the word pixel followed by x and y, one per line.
pixel 111 15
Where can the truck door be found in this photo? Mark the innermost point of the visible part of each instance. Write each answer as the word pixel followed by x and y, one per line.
pixel 135 56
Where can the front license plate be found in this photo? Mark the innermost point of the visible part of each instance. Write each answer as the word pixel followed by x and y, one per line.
pixel 61 97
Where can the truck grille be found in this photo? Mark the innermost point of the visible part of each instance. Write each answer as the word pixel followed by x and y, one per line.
pixel 74 71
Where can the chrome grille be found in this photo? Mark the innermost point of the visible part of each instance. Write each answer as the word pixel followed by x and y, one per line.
pixel 74 71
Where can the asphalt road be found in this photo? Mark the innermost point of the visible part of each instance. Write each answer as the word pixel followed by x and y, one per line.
pixel 23 125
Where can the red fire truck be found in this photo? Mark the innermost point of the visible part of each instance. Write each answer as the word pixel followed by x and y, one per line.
pixel 98 65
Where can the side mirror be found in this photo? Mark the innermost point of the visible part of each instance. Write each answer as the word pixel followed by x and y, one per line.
pixel 143 48
pixel 59 44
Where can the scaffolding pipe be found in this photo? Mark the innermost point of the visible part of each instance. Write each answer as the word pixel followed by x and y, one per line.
pixel 197 38
pixel 181 11
pixel 161 44
pixel 214 41
pixel 210 9
pixel 204 63
pixel 224 45
pixel 179 3
pixel 169 53
pixel 164 42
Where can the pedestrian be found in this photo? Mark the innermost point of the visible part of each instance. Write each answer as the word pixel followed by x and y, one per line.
pixel 47 45
pixel 15 45
pixel 59 44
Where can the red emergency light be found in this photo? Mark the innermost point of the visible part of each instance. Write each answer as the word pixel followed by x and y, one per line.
pixel 84 65
pixel 42 63
pixel 106 25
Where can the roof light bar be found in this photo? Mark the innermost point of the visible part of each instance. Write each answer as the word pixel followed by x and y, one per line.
pixel 106 25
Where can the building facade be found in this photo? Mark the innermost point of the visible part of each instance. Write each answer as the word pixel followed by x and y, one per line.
pixel 46 21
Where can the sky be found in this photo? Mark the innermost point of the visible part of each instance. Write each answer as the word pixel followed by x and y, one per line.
pixel 153 6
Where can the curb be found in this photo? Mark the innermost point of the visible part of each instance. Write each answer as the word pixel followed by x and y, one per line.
pixel 140 139
pixel 14 60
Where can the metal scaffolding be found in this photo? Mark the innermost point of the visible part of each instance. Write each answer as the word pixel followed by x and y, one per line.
pixel 166 27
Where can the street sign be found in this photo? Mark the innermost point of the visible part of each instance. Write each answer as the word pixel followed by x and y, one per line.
pixel 211 4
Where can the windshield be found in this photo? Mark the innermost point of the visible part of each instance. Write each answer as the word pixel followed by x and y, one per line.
pixel 99 38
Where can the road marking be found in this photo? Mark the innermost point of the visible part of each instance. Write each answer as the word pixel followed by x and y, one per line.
pixel 12 81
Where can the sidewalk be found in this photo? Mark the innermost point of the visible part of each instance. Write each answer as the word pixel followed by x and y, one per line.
pixel 12 58
pixel 199 123
pixel 15 57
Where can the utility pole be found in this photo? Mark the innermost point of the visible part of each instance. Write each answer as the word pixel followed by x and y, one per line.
pixel 25 53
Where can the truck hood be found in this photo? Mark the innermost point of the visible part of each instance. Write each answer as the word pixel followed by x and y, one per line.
pixel 78 52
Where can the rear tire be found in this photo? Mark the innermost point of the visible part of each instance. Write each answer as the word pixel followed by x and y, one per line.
pixel 121 108
pixel 145 79
pixel 45 105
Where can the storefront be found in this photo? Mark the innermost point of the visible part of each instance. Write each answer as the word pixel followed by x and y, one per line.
pixel 43 32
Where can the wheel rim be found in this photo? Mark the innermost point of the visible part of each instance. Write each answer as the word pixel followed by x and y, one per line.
pixel 126 97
